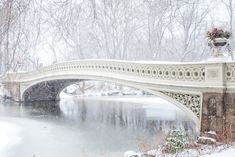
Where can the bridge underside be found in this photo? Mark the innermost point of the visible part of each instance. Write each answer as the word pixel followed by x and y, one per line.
pixel 46 90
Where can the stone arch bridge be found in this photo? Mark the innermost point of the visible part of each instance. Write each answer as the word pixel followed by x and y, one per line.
pixel 205 91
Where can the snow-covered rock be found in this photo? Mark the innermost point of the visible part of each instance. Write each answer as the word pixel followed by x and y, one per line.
pixel 211 134
pixel 206 140
pixel 132 154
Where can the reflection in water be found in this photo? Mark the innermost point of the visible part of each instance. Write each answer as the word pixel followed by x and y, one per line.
pixel 113 113
pixel 125 115
pixel 42 108
pixel 84 127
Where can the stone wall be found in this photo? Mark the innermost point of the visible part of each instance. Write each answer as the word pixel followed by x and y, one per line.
pixel 46 90
pixel 233 122
pixel 217 112
pixel 14 89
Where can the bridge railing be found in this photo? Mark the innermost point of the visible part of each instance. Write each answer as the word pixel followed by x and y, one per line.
pixel 199 72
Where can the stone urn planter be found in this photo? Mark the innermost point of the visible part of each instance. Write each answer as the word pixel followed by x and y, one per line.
pixel 218 40
pixel 217 46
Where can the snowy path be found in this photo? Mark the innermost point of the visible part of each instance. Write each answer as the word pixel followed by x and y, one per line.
pixel 230 152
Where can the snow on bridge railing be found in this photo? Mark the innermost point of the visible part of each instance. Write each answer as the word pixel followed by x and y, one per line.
pixel 171 71
pixel 155 70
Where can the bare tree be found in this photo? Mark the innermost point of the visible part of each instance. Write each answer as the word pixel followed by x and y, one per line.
pixel 229 5
pixel 114 29
pixel 159 16
pixel 19 29
pixel 192 24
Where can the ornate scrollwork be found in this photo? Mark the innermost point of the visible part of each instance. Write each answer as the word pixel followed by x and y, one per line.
pixel 230 72
pixel 191 101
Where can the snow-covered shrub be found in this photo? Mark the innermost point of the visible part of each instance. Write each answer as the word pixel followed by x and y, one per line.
pixel 176 141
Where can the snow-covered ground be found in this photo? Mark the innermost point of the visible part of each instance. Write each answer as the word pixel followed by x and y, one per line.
pixel 9 136
pixel 204 151
pixel 229 152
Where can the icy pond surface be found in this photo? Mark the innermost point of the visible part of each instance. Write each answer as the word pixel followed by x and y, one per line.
pixel 86 127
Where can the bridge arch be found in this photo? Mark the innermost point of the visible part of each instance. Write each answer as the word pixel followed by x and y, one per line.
pixel 50 88
pixel 190 86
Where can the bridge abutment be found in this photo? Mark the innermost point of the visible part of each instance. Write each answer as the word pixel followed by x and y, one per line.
pixel 46 90
pixel 217 112
pixel 14 90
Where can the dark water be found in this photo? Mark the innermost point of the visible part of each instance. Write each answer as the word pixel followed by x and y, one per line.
pixel 86 127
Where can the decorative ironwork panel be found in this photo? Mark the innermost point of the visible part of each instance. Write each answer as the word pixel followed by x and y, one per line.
pixel 191 101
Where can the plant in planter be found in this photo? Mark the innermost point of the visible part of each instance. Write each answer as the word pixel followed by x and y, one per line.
pixel 218 38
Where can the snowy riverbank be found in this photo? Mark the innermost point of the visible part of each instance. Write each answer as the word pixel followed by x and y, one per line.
pixel 9 136
pixel 203 151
